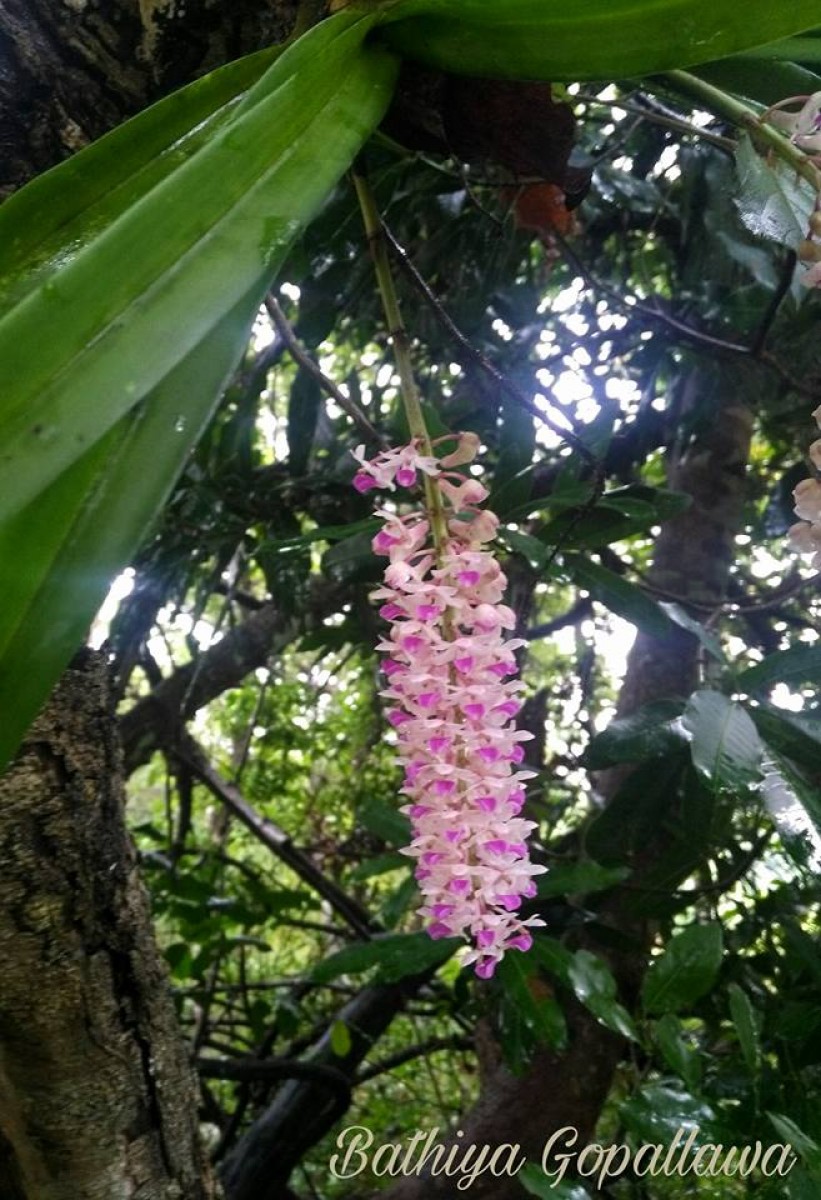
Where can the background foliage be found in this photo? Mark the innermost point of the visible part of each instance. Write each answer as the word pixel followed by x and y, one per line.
pixel 593 355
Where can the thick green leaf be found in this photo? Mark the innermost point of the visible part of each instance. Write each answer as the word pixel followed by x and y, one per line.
pixel 590 39
pixel 619 595
pixel 595 987
pixel 680 1056
pixel 685 971
pixel 799 738
pixel 773 201
pixel 746 1027
pixel 396 955
pixel 725 745
pixel 650 732
pixel 96 418
pixel 799 664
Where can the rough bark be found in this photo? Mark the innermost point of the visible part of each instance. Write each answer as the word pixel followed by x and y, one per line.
pixel 70 70
pixel 97 1098
pixel 692 559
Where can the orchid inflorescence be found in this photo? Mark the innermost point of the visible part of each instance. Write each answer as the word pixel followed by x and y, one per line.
pixel 449 681
pixel 806 535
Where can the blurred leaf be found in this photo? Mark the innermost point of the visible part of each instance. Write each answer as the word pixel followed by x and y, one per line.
pixel 708 639
pixel 650 732
pixel 529 1014
pixel 608 521
pixel 353 560
pixel 686 969
pixel 680 1056
pixel 617 594
pixel 399 901
pixel 340 1039
pixel 386 821
pixel 797 738
pixel 380 865
pixel 801 1142
pixel 746 1027
pixel 303 410
pixel 637 810
pixel 799 664
pixel 794 803
pixel 580 878
pixel 725 745
pixel 595 987
pixel 396 955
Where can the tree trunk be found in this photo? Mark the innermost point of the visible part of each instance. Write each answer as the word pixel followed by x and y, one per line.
pixel 97 1098
pixel 70 70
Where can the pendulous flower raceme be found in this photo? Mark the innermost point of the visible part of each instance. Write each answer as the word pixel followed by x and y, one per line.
pixel 449 680
pixel 806 535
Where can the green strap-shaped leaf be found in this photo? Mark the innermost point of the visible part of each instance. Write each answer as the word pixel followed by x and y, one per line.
pixel 586 39
pixel 123 317
pixel 164 272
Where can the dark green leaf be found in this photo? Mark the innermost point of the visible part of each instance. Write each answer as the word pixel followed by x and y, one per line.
pixel 595 987
pixel 798 738
pixel 621 597
pixel 396 955
pixel 686 969
pixel 580 878
pixel 680 1056
pixel 386 821
pixel 799 664
pixel 658 1112
pixel 637 810
pixel 725 745
pixel 746 1027
pixel 529 1014
pixel 801 1142
pixel 708 639
pixel 650 732
pixel 303 410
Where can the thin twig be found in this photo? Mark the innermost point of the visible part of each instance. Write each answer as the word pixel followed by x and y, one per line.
pixel 276 839
pixel 478 357
pixel 301 356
